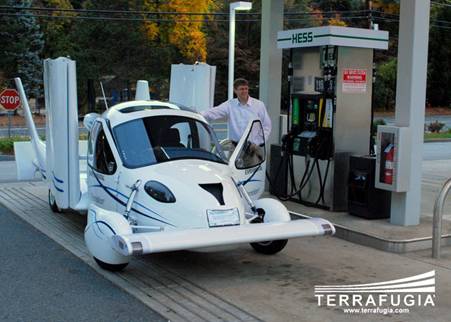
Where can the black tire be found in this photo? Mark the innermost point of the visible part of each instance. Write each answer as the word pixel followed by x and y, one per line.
pixel 52 203
pixel 270 247
pixel 111 267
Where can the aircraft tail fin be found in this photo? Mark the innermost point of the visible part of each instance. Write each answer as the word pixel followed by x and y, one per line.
pixel 29 161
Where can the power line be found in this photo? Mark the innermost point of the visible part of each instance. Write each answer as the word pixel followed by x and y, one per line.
pixel 441 4
pixel 121 18
pixel 113 11
pixel 325 12
pixel 172 13
pixel 160 19
pixel 397 21
pixel 327 18
pixel 206 20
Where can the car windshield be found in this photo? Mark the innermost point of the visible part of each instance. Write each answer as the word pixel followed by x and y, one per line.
pixel 157 139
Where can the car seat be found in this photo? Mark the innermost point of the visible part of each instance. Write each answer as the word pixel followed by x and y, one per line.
pixel 171 138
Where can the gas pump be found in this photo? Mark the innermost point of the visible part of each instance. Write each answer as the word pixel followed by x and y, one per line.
pixel 311 128
pixel 330 111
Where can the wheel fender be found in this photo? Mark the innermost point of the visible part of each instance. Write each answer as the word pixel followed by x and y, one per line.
pixel 275 211
pixel 102 225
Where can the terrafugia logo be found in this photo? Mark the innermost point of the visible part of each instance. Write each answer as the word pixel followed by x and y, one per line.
pixel 396 296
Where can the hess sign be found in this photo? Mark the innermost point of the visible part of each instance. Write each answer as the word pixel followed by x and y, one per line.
pixel 9 99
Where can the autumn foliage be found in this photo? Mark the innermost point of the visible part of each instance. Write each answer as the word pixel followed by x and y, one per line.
pixel 184 29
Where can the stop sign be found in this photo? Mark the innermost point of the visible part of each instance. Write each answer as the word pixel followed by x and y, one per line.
pixel 9 99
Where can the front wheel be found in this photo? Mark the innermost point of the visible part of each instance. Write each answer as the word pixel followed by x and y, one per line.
pixel 270 247
pixel 111 267
pixel 52 203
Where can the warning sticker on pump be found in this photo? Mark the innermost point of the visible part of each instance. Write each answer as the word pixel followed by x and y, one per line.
pixel 354 80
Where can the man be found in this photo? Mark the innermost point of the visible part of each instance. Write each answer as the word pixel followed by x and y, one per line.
pixel 240 111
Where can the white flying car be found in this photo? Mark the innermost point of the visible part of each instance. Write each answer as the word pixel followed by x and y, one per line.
pixel 156 178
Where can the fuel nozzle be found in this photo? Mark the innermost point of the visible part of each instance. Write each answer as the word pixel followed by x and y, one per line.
pixel 287 139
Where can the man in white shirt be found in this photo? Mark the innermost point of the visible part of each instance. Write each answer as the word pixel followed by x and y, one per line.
pixel 240 111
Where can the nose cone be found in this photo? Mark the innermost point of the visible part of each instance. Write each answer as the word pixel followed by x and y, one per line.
pixel 197 186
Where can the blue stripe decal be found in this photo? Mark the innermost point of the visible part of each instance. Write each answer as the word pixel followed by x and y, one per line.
pixel 59 189
pixel 244 182
pixel 42 171
pixel 97 232
pixel 103 222
pixel 58 180
pixel 87 226
pixel 135 202
pixel 124 203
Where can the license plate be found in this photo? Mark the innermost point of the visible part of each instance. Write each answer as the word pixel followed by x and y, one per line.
pixel 219 218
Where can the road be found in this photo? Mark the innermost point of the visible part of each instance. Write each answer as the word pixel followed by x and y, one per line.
pixel 446 119
pixel 23 131
pixel 42 281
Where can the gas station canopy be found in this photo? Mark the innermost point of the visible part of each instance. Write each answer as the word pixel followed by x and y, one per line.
pixel 332 35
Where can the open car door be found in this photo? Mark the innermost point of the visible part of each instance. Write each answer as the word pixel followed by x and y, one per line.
pixel 248 161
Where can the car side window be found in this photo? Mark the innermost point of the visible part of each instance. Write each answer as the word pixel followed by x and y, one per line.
pixel 99 151
pixel 253 151
pixel 91 142
pixel 184 133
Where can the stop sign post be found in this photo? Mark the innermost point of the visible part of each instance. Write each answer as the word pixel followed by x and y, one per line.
pixel 10 100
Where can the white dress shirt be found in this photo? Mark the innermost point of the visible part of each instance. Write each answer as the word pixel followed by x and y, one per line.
pixel 239 115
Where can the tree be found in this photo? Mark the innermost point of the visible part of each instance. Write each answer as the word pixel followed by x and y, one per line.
pixel 439 79
pixel 183 30
pixel 384 91
pixel 25 43
pixel 387 6
pixel 57 30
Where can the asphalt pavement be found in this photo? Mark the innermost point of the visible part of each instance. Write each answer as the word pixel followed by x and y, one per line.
pixel 42 281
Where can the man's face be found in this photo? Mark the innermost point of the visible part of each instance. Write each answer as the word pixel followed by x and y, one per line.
pixel 242 92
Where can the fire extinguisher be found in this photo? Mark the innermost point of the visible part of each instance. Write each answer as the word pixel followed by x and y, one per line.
pixel 389 154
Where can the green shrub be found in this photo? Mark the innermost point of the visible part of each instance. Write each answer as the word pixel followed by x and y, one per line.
pixel 376 123
pixel 435 127
pixel 7 143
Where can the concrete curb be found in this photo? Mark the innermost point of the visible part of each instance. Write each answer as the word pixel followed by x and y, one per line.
pixel 7 157
pixel 437 140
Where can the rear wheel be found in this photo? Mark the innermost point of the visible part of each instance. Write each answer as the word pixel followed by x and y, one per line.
pixel 52 203
pixel 111 267
pixel 270 247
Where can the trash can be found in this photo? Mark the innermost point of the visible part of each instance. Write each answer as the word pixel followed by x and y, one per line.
pixel 364 200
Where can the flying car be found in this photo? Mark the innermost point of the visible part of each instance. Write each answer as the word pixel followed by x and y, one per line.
pixel 156 180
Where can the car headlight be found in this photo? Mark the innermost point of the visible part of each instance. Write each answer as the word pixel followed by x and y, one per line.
pixel 159 191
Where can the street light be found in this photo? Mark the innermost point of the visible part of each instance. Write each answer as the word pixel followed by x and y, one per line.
pixel 240 5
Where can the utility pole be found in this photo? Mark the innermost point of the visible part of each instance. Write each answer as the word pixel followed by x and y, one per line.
pixel 369 4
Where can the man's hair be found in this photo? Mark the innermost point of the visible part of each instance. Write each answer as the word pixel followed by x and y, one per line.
pixel 240 82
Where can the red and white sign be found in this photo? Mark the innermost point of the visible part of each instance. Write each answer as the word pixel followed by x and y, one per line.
pixel 9 99
pixel 354 80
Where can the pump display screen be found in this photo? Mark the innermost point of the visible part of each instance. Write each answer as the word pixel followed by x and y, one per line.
pixel 311 122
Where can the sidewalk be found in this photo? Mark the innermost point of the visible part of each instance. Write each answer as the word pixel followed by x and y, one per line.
pixel 380 233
